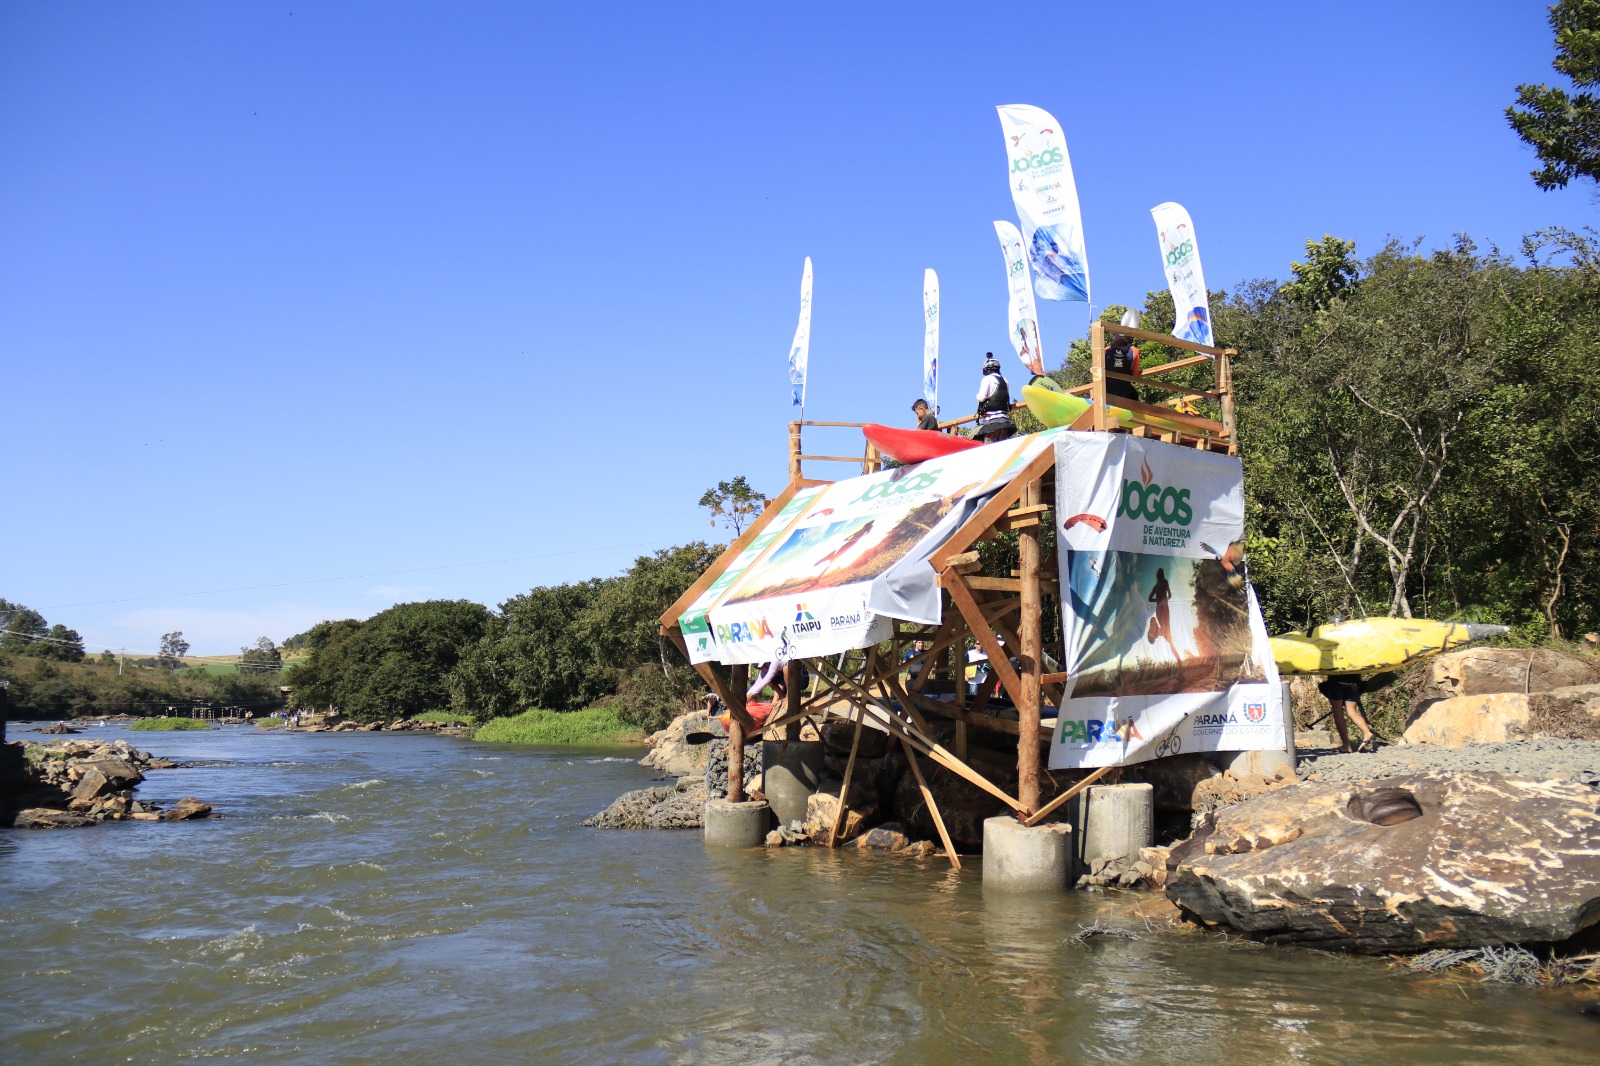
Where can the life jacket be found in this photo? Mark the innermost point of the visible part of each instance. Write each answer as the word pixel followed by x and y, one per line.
pixel 1000 402
pixel 1122 359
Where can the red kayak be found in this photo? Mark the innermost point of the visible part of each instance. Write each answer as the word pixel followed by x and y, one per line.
pixel 915 445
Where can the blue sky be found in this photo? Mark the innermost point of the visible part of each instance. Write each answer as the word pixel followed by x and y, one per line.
pixel 334 300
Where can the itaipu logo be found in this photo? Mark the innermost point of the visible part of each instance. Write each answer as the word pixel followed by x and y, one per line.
pixel 1099 731
pixel 884 489
pixel 1153 502
pixel 804 621
pixel 741 632
pixel 1038 159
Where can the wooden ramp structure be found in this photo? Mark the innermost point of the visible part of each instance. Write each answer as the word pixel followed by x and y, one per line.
pixel 921 698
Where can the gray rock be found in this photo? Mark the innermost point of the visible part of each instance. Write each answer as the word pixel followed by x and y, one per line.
pixel 1489 859
pixel 45 818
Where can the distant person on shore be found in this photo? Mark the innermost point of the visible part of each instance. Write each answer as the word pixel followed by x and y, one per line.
pixel 926 419
pixel 994 403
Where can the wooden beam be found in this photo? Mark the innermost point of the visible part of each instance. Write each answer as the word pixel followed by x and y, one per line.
pixel 986 515
pixel 1027 697
pixel 933 808
pixel 1049 808
pixel 1150 410
pixel 1161 338
pixel 1176 364
pixel 844 789
pixel 993 584
pixel 999 663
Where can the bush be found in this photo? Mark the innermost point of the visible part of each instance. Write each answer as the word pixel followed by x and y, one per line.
pixel 650 699
pixel 593 725
pixel 153 724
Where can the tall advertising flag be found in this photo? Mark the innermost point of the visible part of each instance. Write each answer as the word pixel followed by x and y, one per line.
pixel 1023 318
pixel 1047 202
pixel 800 350
pixel 1180 258
pixel 930 339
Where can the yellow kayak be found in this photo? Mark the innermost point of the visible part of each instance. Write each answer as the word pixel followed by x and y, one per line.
pixel 1062 409
pixel 1371 645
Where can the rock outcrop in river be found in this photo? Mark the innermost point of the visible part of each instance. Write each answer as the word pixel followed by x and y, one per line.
pixel 80 782
pixel 1399 864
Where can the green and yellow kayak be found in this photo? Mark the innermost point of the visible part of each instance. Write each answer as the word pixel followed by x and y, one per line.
pixel 1062 409
pixel 1371 645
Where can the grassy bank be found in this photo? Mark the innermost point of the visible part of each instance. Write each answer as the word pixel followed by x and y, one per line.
pixel 593 725
pixel 153 724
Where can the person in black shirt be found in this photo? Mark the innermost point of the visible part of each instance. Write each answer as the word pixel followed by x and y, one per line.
pixel 926 419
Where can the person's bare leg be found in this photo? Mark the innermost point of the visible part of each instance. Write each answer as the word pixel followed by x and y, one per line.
pixel 1354 710
pixel 1339 724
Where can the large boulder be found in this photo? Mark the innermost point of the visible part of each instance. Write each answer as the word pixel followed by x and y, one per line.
pixel 1569 713
pixel 1481 671
pixel 670 751
pixel 963 805
pixel 822 808
pixel 1400 864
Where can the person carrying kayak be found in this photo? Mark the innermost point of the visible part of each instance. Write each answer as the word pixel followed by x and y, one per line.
pixel 926 419
pixel 994 403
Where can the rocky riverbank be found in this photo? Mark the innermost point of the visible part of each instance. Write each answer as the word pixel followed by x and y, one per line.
pixel 72 783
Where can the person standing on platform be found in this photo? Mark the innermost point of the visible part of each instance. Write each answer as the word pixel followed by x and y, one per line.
pixel 926 419
pixel 994 403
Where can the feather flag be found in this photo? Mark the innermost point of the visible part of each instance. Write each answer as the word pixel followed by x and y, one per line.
pixel 1047 202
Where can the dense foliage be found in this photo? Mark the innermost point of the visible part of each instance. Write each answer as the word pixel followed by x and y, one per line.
pixel 1420 431
pixel 1562 127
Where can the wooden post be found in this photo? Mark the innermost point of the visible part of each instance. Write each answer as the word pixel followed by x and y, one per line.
pixel 1031 634
pixel 736 688
pixel 1225 401
pixel 791 684
pixel 794 452
pixel 1097 375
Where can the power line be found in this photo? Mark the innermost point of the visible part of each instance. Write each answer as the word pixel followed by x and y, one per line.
pixel 355 577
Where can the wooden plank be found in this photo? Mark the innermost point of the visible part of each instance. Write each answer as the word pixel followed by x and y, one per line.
pixel 1161 338
pixel 1176 364
pixel 856 459
pixel 844 789
pixel 992 584
pixel 965 563
pixel 669 618
pixel 1031 644
pixel 998 505
pixel 1083 422
pixel 933 808
pixel 1150 410
pixel 838 425
pixel 1049 808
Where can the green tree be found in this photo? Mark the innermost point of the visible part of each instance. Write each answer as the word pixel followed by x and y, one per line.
pixel 59 643
pixel 173 648
pixel 1564 128
pixel 262 655
pixel 733 503
pixel 20 627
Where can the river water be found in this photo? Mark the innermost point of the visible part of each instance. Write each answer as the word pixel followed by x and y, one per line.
pixel 403 898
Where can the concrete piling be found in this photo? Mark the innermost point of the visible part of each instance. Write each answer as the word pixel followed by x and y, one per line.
pixel 736 825
pixel 1113 822
pixel 790 773
pixel 1020 858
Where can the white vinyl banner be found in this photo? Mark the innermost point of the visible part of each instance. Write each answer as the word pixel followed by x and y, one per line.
pixel 1047 202
pixel 1166 648
pixel 1022 317
pixel 1180 258
pixel 800 350
pixel 930 339
pixel 832 570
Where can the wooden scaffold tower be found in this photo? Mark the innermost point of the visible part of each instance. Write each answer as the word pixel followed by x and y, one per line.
pixel 1002 614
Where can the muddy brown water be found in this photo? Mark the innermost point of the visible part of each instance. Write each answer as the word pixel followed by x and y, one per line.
pixel 388 898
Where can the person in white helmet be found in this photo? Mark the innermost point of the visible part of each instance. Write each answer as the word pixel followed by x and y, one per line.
pixel 994 403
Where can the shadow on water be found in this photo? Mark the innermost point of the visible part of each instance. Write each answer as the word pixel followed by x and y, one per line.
pixel 371 897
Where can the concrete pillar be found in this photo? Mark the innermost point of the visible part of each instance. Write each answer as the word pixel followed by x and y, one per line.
pixel 1114 822
pixel 790 773
pixel 1020 858
pixel 736 825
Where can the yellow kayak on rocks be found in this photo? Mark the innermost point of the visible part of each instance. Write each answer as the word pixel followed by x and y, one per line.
pixel 1371 645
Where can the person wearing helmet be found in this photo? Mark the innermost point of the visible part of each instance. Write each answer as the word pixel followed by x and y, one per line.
pixel 994 403
pixel 926 419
